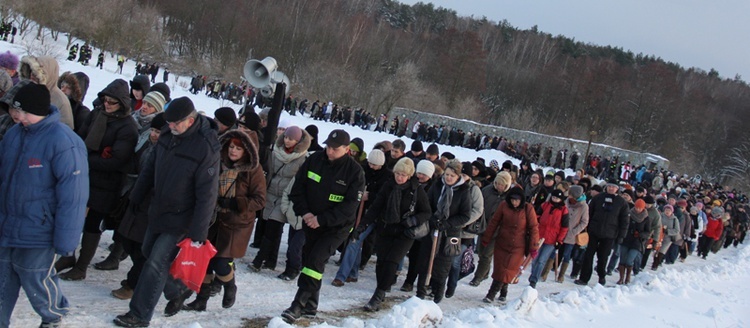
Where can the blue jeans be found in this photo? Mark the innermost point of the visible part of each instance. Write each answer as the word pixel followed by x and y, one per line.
pixel 352 256
pixel 614 259
pixel 540 261
pixel 628 256
pixel 567 252
pixel 34 270
pixel 455 269
pixel 160 249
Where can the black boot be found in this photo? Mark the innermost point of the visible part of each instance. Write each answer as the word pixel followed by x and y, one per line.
pixel 89 243
pixel 199 304
pixel 421 292
pixel 576 270
pixel 230 293
pixel 494 288
pixel 503 293
pixel 112 262
pixel 311 307
pixel 375 301
pixel 65 262
pixel 175 305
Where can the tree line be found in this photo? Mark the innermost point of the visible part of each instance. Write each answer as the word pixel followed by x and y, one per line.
pixel 378 54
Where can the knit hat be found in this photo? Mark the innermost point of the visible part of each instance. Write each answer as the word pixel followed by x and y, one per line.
pixel 558 193
pixel 426 167
pixel 560 174
pixel 682 203
pixel 337 138
pixel 34 99
pixel 507 165
pixel 482 169
pixel 252 121
pixel 575 191
pixel 668 207
pixel 9 60
pixel 432 149
pixel 405 166
pixel 649 199
pixel 416 146
pixel 494 165
pixel 448 155
pixel 158 121
pixel 717 211
pixel 466 168
pixel 629 193
pixel 285 123
pixel 357 144
pixel 505 179
pixel 6 102
pixel 156 99
pixel 376 157
pixel 454 165
pixel 162 88
pixel 293 132
pixel 225 116
pixel 640 204
pixel 178 109
pixel 699 205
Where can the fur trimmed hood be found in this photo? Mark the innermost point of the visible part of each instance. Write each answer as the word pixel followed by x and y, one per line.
pixel 44 68
pixel 250 149
pixel 302 146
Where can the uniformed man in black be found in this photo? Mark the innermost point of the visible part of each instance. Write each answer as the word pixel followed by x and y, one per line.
pixel 326 193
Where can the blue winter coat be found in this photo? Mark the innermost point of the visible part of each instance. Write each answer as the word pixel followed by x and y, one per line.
pixel 44 180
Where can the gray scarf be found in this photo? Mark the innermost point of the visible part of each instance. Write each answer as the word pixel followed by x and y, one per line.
pixel 446 198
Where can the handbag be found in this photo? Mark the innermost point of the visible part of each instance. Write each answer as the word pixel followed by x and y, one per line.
pixel 420 230
pixel 451 246
pixel 582 239
pixel 191 262
pixel 467 262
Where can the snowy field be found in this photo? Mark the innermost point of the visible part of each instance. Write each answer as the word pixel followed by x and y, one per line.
pixel 698 293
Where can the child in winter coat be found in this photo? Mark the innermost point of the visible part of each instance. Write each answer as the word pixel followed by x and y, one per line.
pixel 671 226
pixel 553 226
pixel 714 229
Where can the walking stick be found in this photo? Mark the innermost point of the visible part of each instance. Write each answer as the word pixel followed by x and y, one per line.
pixel 432 256
pixel 557 254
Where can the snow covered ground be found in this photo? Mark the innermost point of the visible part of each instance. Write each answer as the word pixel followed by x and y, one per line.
pixel 698 293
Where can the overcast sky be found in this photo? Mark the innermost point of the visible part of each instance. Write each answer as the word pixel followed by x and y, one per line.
pixel 692 33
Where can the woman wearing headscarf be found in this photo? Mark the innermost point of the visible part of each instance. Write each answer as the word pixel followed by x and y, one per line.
pixel 516 231
pixel 286 158
pixel 451 201
pixel 242 191
pixel 110 136
pixel 400 204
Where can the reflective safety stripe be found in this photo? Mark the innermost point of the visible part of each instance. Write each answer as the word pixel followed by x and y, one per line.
pixel 313 176
pixel 336 198
pixel 312 273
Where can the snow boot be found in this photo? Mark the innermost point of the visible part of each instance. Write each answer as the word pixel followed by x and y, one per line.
pixel 175 305
pixel 627 276
pixel 112 262
pixel 407 287
pixel 291 314
pixel 89 243
pixel 123 293
pixel 65 262
pixel 199 304
pixel 576 270
pixel 230 290
pixel 374 304
pixel 621 271
pixel 494 288
pixel 547 268
pixel 503 293
pixel 561 272
pixel 311 306
pixel 215 285
pixel 657 261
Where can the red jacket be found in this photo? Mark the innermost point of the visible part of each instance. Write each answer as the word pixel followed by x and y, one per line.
pixel 714 228
pixel 553 223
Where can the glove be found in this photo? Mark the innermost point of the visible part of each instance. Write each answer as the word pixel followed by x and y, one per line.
pixel 107 152
pixel 228 203
pixel 358 231
pixel 409 222
pixel 533 253
pixel 442 225
pixel 557 245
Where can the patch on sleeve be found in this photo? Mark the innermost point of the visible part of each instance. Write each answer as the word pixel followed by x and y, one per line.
pixel 211 171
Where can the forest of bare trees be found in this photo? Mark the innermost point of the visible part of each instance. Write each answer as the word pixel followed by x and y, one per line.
pixel 377 54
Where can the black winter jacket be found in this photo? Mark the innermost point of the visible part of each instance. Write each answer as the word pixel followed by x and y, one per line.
pixel 608 216
pixel 330 190
pixel 109 165
pixel 380 205
pixel 183 172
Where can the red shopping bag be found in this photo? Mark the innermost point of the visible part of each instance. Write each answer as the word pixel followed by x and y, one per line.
pixel 191 262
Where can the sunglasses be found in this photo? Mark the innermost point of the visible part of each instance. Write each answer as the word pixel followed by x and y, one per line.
pixel 111 102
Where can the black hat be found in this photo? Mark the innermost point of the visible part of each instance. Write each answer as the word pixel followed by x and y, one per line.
pixel 417 146
pixel 466 168
pixel 33 99
pixel 252 120
pixel 226 116
pixel 178 109
pixel 158 121
pixel 558 193
pixel 597 188
pixel 337 138
pixel 432 149
pixel 480 166
pixel 649 199
pixel 448 155
pixel 560 174
pixel 507 165
pixel 162 88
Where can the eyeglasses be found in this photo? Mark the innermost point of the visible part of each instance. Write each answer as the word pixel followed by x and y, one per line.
pixel 111 102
